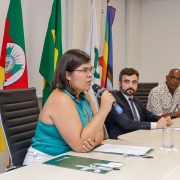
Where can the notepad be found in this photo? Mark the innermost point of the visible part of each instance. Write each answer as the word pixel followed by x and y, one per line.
pixel 85 164
pixel 122 149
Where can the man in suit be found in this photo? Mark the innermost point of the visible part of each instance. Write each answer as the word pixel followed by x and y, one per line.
pixel 134 116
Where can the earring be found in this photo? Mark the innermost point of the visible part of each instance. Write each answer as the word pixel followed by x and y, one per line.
pixel 69 83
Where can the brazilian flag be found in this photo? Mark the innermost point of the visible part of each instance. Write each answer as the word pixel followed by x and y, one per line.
pixel 52 50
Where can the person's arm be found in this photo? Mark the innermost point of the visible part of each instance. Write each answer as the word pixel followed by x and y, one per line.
pixel 154 118
pixel 90 144
pixel 66 118
pixel 164 121
pixel 172 114
pixel 150 117
pixel 124 122
pixel 157 122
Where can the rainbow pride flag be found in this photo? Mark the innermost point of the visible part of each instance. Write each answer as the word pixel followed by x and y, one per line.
pixel 107 60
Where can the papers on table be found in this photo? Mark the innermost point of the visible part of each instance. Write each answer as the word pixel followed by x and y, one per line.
pixel 121 149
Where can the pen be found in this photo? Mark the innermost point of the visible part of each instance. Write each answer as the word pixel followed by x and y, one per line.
pixel 113 168
pixel 148 157
pixel 143 156
pixel 106 166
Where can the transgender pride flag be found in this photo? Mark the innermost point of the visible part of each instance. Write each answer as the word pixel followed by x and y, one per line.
pixel 107 60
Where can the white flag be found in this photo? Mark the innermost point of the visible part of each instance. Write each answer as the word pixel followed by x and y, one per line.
pixel 92 49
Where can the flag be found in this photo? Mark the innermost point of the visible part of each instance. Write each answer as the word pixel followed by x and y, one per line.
pixel 2 140
pixel 52 50
pixel 13 64
pixel 107 60
pixel 92 49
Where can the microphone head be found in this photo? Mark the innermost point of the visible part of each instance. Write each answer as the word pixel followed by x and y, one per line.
pixel 96 88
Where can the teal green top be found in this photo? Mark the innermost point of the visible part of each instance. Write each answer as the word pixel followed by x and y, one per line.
pixel 47 138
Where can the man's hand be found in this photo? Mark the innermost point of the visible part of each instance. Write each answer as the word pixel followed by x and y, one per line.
pixel 161 122
pixel 89 145
pixel 177 113
pixel 169 121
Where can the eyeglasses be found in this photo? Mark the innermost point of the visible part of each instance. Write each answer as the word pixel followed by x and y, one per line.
pixel 174 78
pixel 86 71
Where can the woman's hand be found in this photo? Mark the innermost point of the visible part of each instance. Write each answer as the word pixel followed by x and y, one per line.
pixel 89 145
pixel 106 101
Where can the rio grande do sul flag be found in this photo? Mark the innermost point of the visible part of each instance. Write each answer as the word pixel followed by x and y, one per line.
pixel 92 49
pixel 13 64
pixel 52 50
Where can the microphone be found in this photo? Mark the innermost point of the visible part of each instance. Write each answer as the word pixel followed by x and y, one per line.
pixel 97 89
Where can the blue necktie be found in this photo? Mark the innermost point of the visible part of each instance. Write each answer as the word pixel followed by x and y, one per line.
pixel 133 108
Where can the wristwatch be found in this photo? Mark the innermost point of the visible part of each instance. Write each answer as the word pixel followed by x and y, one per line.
pixel 173 115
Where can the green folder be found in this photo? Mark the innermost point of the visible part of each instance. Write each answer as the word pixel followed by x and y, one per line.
pixel 82 163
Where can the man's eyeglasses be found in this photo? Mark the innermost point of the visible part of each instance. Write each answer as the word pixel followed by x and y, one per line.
pixel 174 78
pixel 86 71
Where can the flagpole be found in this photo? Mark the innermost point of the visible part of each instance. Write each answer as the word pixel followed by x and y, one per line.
pixel 108 2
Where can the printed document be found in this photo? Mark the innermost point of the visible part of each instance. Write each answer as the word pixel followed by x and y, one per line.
pixel 121 149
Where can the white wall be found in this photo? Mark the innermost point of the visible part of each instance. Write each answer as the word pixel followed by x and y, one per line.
pixel 35 15
pixel 133 33
pixel 160 39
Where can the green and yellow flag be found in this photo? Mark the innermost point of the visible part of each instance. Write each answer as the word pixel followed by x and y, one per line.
pixel 52 50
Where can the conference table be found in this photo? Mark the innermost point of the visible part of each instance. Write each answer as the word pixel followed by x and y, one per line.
pixel 164 165
pixel 152 136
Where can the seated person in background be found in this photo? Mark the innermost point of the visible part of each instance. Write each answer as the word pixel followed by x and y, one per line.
pixel 134 116
pixel 69 120
pixel 164 100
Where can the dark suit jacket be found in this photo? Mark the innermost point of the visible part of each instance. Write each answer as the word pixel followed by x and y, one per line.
pixel 118 124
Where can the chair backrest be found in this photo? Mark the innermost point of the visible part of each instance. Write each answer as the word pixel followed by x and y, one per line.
pixel 143 91
pixel 19 112
pixel 113 92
